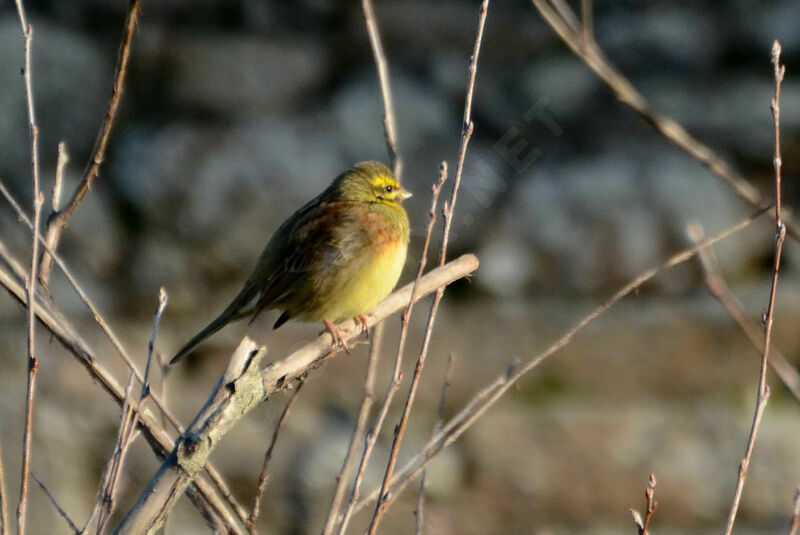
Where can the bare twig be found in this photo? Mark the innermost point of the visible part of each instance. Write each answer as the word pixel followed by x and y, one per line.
pixel 419 513
pixel 492 392
pixel 60 510
pixel 104 503
pixel 587 21
pixel 59 219
pixel 762 396
pixel 447 210
pixel 33 362
pixel 231 399
pixel 264 476
pixel 651 504
pixel 130 418
pixel 784 369
pixel 794 525
pixel 356 438
pixel 4 528
pixel 564 22
pixel 389 125
pixel 63 160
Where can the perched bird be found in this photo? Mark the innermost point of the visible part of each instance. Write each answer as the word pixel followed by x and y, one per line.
pixel 335 258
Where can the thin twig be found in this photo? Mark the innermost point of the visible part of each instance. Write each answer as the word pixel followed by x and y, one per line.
pixel 4 528
pixel 762 396
pixel 650 503
pixel 356 438
pixel 485 398
pixel 587 20
pixel 419 514
pixel 105 500
pixel 60 510
pixel 264 476
pixel 59 220
pixel 447 210
pixel 564 22
pixel 63 160
pixel 389 124
pixel 794 525
pixel 719 288
pixel 128 423
pixel 33 362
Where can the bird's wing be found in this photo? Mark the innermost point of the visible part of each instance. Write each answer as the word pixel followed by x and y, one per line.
pixel 295 254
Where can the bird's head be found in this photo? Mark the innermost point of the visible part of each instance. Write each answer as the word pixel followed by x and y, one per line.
pixel 370 182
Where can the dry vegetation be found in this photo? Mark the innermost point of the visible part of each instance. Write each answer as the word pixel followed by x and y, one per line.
pixel 184 449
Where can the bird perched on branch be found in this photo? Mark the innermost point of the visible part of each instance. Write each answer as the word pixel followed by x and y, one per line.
pixel 335 258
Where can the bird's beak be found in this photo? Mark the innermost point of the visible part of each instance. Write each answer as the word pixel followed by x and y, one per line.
pixel 404 194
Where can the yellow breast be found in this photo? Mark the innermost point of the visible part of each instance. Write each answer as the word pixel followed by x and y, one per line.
pixel 365 284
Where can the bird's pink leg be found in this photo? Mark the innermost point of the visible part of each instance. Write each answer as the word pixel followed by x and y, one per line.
pixel 338 339
pixel 361 319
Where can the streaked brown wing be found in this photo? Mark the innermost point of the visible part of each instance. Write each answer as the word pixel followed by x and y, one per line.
pixel 300 244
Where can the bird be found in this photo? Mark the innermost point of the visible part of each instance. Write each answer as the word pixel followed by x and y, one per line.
pixel 334 258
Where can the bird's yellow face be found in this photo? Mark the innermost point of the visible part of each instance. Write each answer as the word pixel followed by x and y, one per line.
pixel 387 189
pixel 370 182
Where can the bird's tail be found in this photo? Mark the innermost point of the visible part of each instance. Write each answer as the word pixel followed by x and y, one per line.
pixel 223 319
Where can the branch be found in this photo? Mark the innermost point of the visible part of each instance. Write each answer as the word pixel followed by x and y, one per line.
pixel 30 285
pixel 357 436
pixel 279 374
pixel 243 387
pixel 3 498
pixel 60 510
pixel 485 398
pixel 419 514
pixel 794 525
pixel 236 394
pixel 762 396
pixel 263 477
pixel 389 128
pixel 784 369
pixel 564 22
pixel 59 220
pixel 104 505
pixel 651 504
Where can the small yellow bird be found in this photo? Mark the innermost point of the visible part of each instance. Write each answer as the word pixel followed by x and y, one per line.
pixel 335 258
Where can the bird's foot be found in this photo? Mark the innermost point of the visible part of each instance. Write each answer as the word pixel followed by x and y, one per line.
pixel 361 319
pixel 336 335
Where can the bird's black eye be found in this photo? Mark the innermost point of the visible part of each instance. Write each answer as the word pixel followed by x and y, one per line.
pixel 389 188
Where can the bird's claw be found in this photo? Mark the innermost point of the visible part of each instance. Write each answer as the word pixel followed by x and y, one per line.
pixel 336 335
pixel 361 320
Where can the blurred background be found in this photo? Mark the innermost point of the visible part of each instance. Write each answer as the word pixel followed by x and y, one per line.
pixel 236 112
